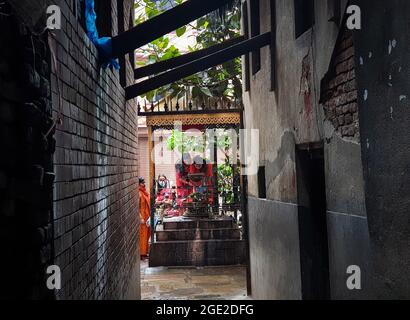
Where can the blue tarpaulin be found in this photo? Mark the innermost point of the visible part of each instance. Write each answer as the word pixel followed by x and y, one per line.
pixel 104 44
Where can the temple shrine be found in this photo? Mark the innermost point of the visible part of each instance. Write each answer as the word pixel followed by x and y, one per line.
pixel 193 223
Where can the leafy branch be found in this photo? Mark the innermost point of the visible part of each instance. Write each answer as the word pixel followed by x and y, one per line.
pixel 224 81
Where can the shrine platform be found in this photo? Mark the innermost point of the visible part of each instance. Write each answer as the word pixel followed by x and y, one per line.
pixel 197 242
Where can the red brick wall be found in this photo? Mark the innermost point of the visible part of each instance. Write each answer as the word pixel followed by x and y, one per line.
pixel 339 91
pixel 95 196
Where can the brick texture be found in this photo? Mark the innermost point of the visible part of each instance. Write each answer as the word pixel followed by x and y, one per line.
pixel 339 89
pixel 96 190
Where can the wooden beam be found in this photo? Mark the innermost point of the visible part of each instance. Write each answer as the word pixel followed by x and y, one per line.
pixel 255 31
pixel 247 74
pixel 204 63
pixel 273 45
pixel 189 112
pixel 215 176
pixel 166 65
pixel 151 161
pixel 162 24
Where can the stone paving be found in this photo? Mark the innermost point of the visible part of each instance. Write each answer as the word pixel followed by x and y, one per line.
pixel 209 283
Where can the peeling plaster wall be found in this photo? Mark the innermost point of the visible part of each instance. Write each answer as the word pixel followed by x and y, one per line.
pixel 291 114
pixel 259 102
pixel 288 116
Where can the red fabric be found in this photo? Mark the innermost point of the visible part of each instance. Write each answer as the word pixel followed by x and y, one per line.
pixel 184 189
pixel 145 211
pixel 206 169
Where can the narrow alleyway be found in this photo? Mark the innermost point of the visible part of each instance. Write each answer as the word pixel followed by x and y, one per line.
pixel 233 140
pixel 209 283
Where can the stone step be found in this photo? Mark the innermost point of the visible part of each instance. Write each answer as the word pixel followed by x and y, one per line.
pixel 199 224
pixel 197 253
pixel 198 234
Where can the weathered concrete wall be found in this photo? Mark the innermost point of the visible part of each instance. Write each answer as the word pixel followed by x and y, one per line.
pixel 274 250
pixel 96 190
pixel 347 223
pixel 346 217
pixel 285 117
pixel 260 111
pixel 293 115
pixel 383 49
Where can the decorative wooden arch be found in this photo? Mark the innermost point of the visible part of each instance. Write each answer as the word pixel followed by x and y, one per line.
pixel 204 119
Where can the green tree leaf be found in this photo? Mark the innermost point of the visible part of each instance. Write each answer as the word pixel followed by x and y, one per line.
pixel 181 31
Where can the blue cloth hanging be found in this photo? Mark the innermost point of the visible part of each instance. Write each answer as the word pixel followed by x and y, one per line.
pixel 104 44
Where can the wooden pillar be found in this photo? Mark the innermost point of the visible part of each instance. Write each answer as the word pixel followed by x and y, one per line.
pixel 236 178
pixel 151 184
pixel 215 173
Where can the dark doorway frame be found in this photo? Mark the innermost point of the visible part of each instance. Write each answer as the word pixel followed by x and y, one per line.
pixel 313 239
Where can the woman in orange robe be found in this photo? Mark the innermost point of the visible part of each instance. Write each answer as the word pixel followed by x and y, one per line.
pixel 145 212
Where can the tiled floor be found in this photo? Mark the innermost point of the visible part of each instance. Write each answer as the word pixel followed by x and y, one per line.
pixel 209 283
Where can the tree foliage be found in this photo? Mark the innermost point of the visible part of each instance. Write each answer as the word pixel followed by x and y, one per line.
pixel 222 81
pixel 226 174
